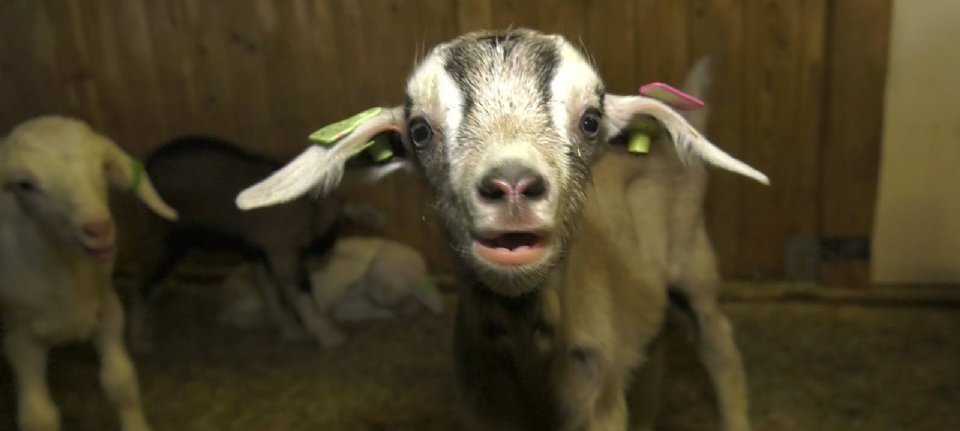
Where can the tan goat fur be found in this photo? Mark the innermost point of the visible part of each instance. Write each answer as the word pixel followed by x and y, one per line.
pixel 568 244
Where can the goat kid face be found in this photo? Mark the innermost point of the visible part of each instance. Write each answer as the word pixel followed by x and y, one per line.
pixel 57 170
pixel 505 127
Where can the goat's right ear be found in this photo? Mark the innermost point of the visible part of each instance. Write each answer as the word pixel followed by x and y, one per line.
pixel 320 167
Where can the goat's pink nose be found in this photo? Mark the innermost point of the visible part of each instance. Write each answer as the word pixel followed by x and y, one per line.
pixel 98 229
pixel 513 181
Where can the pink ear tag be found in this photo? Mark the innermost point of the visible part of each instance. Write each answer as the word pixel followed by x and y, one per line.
pixel 671 96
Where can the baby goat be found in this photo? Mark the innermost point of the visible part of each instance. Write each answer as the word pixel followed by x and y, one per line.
pixel 362 278
pixel 367 278
pixel 276 239
pixel 56 260
pixel 566 241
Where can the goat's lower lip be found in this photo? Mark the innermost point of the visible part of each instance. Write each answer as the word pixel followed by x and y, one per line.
pixel 511 248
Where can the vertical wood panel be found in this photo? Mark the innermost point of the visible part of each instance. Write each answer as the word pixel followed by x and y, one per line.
pixel 724 42
pixel 850 155
pixel 610 37
pixel 265 73
pixel 474 15
pixel 563 17
pixel 783 54
pixel 172 42
pixel 661 34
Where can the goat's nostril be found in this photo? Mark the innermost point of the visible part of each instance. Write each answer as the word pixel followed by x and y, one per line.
pixel 512 180
pixel 98 229
pixel 532 187
pixel 494 189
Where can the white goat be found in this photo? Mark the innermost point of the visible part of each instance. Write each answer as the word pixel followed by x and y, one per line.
pixel 361 278
pixel 57 241
pixel 567 241
pixel 373 278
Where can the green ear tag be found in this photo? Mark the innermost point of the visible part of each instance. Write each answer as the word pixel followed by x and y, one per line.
pixel 639 143
pixel 640 137
pixel 332 133
pixel 379 149
pixel 136 175
pixel 329 135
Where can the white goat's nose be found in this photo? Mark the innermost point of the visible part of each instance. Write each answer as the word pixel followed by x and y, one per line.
pixel 512 181
pixel 99 229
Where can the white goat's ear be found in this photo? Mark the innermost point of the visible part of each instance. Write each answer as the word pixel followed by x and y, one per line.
pixel 127 173
pixel 622 111
pixel 320 167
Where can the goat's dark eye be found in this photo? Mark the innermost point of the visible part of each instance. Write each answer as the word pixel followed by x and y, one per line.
pixel 420 131
pixel 590 123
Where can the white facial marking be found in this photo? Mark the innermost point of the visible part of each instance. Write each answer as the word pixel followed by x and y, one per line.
pixel 424 84
pixel 452 101
pixel 573 85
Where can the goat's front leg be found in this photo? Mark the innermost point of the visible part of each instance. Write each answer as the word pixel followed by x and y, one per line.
pixel 158 258
pixel 610 413
pixel 289 329
pixel 593 397
pixel 28 360
pixel 287 271
pixel 117 375
pixel 613 417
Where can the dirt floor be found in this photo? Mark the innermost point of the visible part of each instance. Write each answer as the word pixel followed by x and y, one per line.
pixel 812 366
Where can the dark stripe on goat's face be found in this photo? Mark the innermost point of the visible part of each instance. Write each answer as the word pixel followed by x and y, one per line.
pixel 472 64
pixel 459 64
pixel 545 59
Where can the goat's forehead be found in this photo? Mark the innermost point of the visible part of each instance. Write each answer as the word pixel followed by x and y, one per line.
pixel 516 70
pixel 51 141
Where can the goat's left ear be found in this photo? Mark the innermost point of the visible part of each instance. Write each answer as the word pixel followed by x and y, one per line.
pixel 621 113
pixel 127 173
pixel 320 167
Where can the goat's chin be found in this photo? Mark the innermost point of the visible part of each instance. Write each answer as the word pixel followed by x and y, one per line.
pixel 512 281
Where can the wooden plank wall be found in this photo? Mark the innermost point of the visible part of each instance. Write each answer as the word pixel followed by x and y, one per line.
pixel 794 94
pixel 850 156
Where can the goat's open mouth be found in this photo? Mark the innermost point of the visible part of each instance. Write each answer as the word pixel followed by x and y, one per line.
pixel 511 248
